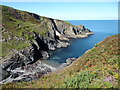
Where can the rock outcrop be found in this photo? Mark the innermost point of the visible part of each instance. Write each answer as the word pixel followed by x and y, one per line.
pixel 28 37
pixel 68 62
pixel 25 73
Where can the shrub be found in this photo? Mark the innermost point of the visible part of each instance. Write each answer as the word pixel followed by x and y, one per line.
pixel 81 80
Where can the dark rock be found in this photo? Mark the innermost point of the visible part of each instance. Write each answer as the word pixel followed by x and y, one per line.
pixel 6 64
pixel 5 74
pixel 75 31
pixel 15 75
pixel 21 80
pixel 28 79
pixel 42 45
pixel 16 65
pixel 35 16
pixel 36 53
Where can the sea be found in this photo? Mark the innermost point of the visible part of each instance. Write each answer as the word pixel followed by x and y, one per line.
pixel 101 29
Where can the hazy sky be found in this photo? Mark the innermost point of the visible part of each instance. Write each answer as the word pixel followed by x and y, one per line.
pixel 70 10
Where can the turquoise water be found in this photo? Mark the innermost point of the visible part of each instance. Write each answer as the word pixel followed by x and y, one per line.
pixel 101 29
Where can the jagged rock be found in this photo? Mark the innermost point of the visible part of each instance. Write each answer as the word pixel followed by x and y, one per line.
pixel 56 34
pixel 15 75
pixel 62 44
pixel 29 72
pixel 58 30
pixel 4 74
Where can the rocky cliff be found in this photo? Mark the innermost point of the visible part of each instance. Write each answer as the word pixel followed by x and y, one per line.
pixel 97 68
pixel 28 37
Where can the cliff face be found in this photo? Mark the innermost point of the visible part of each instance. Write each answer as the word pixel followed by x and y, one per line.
pixel 27 37
pixel 21 30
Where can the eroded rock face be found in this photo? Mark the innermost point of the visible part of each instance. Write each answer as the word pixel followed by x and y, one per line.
pixel 57 35
pixel 40 47
pixel 4 74
pixel 26 73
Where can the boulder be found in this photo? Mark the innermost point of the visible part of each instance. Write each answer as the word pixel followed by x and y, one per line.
pixel 68 61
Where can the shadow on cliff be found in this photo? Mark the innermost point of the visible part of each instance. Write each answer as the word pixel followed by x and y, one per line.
pixel 42 46
pixel 36 54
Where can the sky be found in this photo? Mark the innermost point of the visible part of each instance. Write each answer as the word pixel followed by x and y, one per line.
pixel 60 0
pixel 70 10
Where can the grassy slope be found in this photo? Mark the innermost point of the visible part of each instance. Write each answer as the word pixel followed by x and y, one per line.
pixel 19 26
pixel 90 70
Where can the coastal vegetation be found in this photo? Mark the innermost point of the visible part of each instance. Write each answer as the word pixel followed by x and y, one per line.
pixel 97 68
pixel 27 39
pixel 19 28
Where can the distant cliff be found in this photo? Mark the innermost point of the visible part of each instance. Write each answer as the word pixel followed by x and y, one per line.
pixel 28 37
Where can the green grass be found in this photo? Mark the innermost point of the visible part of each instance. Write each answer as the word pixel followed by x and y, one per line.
pixel 7 47
pixel 68 23
pixel 21 27
pixel 22 24
pixel 81 80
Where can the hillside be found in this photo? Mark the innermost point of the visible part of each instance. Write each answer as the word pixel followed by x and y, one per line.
pixel 27 38
pixel 97 68
pixel 20 29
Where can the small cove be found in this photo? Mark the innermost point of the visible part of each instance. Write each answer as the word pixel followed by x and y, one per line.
pixel 101 29
pixel 76 49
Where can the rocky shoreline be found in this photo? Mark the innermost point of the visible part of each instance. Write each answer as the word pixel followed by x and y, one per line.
pixel 30 40
pixel 18 67
pixel 31 72
pixel 27 73
pixel 25 66
pixel 16 71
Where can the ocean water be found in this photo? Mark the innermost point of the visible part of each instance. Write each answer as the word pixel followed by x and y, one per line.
pixel 101 29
